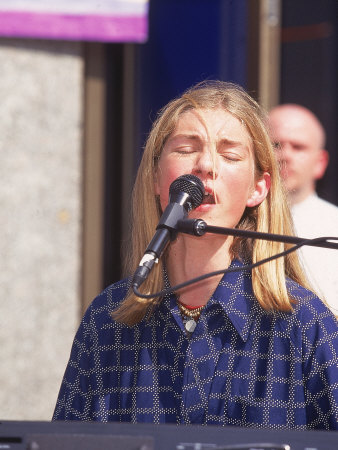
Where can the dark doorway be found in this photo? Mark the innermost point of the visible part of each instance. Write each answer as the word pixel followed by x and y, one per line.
pixel 309 71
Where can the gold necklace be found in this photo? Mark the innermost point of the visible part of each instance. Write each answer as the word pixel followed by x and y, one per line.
pixel 190 312
pixel 189 316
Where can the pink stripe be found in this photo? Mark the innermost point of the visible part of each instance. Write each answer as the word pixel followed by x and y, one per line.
pixel 74 27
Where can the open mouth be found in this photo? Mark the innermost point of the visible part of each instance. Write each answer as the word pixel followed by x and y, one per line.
pixel 208 199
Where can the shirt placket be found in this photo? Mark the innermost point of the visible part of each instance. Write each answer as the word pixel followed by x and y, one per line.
pixel 200 364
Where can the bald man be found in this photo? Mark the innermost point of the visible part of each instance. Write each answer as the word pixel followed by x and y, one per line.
pixel 299 139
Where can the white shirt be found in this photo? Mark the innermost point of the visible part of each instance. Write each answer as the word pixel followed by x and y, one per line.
pixel 315 217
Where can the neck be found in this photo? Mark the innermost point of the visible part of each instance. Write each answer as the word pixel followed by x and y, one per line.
pixel 298 196
pixel 190 257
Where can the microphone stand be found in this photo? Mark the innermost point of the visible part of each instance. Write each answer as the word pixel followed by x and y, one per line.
pixel 198 227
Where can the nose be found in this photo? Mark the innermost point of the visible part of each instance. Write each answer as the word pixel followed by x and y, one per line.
pixel 205 164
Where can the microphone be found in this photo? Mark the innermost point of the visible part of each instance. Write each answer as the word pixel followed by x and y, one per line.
pixel 185 193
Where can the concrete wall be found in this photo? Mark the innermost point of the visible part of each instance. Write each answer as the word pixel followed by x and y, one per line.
pixel 41 109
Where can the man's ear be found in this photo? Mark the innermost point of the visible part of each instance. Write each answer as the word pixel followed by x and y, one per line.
pixel 261 190
pixel 322 163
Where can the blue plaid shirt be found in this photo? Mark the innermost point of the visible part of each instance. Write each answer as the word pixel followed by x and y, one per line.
pixel 242 365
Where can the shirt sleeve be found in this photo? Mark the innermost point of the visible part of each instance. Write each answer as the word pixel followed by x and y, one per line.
pixel 320 372
pixel 74 399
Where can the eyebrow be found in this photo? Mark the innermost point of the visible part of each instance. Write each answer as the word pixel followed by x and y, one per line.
pixel 233 143
pixel 191 137
pixel 196 137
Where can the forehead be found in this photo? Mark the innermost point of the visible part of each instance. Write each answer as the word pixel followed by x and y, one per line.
pixel 211 124
pixel 290 124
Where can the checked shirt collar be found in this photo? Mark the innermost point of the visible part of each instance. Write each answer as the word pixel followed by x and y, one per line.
pixel 235 296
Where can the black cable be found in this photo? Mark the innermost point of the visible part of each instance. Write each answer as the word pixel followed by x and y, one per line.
pixel 233 269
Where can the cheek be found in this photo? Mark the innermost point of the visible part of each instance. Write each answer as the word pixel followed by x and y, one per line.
pixel 239 183
pixel 234 194
pixel 164 177
pixel 163 192
pixel 303 159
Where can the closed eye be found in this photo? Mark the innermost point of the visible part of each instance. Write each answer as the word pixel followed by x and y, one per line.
pixel 232 151
pixel 229 156
pixel 185 150
pixel 299 147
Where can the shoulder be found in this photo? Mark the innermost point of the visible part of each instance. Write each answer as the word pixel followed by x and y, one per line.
pixel 305 300
pixel 112 295
pixel 326 206
pixel 315 217
pixel 99 311
pixel 316 205
pixel 310 316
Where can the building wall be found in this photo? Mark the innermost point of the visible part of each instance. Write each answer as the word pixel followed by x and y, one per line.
pixel 41 109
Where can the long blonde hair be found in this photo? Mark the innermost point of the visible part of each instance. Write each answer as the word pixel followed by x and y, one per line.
pixel 271 216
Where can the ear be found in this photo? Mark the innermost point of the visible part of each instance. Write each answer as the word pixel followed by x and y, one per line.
pixel 261 190
pixel 322 163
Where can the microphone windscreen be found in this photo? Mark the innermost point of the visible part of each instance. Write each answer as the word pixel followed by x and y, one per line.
pixel 191 185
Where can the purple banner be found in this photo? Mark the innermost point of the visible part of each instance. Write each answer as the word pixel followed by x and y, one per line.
pixel 117 22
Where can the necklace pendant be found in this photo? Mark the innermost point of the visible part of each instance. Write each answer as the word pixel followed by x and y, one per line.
pixel 190 325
